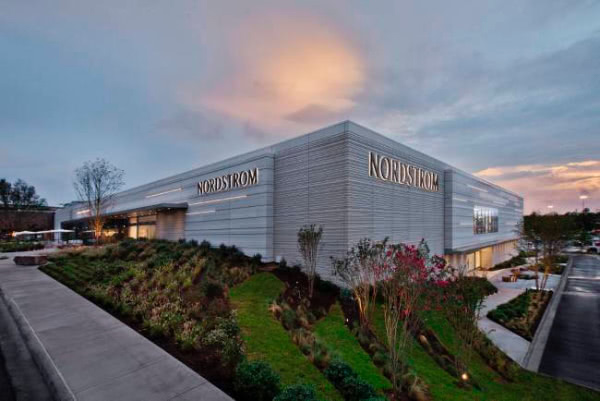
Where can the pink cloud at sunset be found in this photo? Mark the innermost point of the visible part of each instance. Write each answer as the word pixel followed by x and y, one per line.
pixel 558 185
pixel 284 72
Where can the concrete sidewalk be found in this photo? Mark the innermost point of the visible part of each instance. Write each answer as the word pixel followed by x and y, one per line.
pixel 87 354
pixel 511 344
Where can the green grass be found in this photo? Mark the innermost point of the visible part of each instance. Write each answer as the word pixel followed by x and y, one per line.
pixel 266 339
pixel 527 387
pixel 336 335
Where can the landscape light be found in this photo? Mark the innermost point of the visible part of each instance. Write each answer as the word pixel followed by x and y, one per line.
pixel 464 376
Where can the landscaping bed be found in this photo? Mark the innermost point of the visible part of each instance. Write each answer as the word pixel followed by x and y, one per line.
pixel 266 339
pixel 522 314
pixel 20 246
pixel 257 336
pixel 518 260
pixel 176 294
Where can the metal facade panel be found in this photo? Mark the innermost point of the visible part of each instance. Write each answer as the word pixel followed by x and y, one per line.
pixel 464 193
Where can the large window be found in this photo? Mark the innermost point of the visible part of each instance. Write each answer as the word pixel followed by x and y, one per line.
pixel 485 220
pixel 142 226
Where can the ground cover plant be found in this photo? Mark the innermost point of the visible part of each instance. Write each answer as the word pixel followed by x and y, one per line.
pixel 20 246
pixel 266 339
pixel 305 318
pixel 523 313
pixel 333 331
pixel 174 293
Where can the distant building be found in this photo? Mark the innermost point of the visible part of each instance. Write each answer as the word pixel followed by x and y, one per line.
pixel 354 182
pixel 37 219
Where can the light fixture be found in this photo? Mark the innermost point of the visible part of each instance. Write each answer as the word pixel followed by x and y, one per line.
pixel 218 200
pixel 164 193
pixel 83 211
pixel 583 196
pixel 464 376
pixel 202 212
pixel 477 188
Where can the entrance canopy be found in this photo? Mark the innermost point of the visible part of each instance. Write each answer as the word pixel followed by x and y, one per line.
pixel 59 231
pixel 139 211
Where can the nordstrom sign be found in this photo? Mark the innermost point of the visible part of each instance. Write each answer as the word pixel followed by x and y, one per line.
pixel 388 169
pixel 229 182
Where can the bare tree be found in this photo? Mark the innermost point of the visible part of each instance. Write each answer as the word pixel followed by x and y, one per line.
pixel 529 241
pixel 309 238
pixel 96 184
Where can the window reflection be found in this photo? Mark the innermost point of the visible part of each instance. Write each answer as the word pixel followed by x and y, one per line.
pixel 485 220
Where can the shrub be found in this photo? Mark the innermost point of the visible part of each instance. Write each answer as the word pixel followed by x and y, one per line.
pixel 20 246
pixel 298 392
pixel 256 381
pixel 288 319
pixel 348 383
pixel 356 389
pixel 212 289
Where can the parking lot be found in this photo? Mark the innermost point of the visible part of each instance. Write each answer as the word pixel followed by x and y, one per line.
pixel 573 348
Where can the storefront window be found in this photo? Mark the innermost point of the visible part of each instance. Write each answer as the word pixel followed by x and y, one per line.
pixel 485 220
pixel 142 226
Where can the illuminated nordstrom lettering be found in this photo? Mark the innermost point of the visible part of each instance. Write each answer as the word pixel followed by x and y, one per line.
pixel 229 182
pixel 392 170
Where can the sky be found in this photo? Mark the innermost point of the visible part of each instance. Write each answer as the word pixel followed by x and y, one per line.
pixel 508 90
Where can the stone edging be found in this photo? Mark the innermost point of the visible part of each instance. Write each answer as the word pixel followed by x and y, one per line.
pixel 54 379
pixel 534 354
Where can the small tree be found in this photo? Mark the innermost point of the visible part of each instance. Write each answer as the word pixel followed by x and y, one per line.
pixel 96 184
pixel 462 301
pixel 553 231
pixel 309 238
pixel 405 275
pixel 359 270
pixel 528 232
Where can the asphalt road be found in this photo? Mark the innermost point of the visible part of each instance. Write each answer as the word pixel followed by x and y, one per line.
pixel 573 348
pixel 6 391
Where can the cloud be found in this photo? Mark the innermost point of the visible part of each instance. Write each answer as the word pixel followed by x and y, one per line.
pixel 284 71
pixel 194 125
pixel 526 111
pixel 558 185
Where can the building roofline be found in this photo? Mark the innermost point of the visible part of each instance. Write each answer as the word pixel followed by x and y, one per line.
pixel 329 130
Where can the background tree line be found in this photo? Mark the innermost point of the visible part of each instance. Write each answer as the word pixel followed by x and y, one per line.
pixel 19 195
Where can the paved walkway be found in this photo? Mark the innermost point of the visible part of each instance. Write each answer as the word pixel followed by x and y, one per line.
pixel 573 348
pixel 89 354
pixel 512 344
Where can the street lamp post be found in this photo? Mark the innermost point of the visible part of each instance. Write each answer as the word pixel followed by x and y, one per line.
pixel 583 198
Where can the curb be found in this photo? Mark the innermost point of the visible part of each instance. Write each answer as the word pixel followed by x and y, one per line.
pixel 534 354
pixel 54 380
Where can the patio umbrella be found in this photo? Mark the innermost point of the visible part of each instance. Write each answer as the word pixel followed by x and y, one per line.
pixel 16 234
